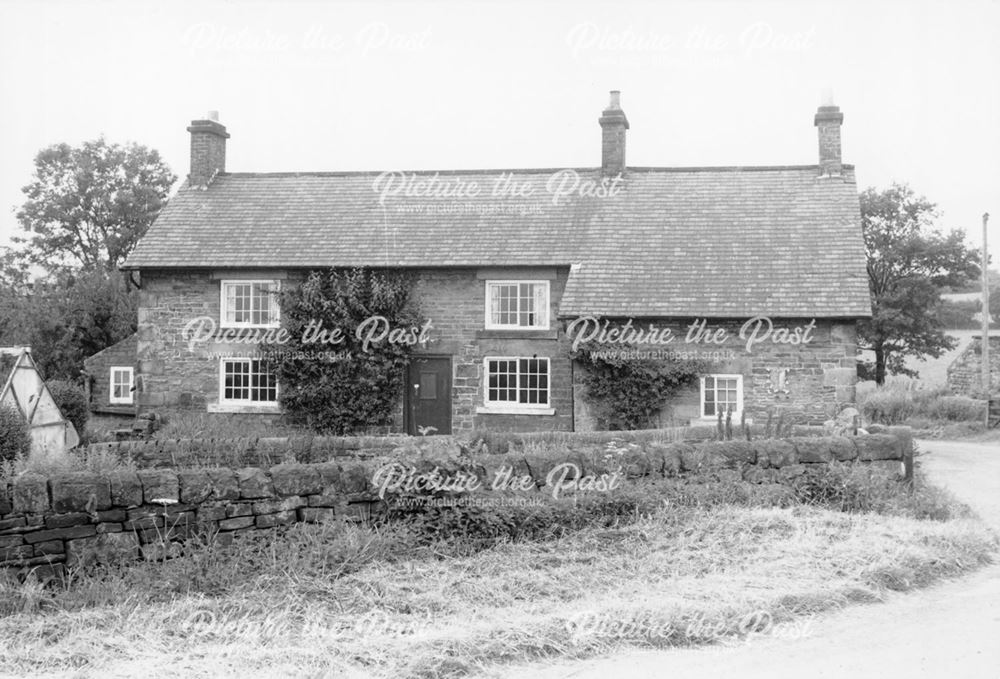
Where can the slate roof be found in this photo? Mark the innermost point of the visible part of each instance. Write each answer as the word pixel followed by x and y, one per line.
pixel 129 344
pixel 690 242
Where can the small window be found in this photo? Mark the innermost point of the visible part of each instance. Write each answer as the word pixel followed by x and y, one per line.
pixel 247 381
pixel 721 394
pixel 517 382
pixel 122 382
pixel 250 304
pixel 512 305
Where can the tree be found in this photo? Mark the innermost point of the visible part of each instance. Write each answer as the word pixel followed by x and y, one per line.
pixel 14 287
pixel 909 262
pixel 88 206
pixel 68 317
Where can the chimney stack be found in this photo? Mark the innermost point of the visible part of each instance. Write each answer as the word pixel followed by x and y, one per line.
pixel 208 149
pixel 613 125
pixel 828 121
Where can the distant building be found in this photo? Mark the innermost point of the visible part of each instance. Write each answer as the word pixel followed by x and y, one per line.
pixel 109 378
pixel 966 371
pixel 24 390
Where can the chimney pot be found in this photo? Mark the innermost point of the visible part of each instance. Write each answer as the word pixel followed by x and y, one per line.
pixel 613 126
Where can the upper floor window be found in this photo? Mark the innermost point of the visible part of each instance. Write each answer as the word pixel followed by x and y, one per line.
pixel 514 305
pixel 250 304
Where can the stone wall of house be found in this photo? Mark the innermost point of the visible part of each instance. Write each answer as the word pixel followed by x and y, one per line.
pixel 810 382
pixel 98 370
pixel 172 374
pixel 965 372
pixel 814 380
pixel 454 301
pixel 50 522
pixel 175 375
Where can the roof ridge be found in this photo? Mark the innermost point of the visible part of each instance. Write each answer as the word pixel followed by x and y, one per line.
pixel 543 170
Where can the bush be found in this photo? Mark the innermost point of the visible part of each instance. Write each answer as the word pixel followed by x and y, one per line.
pixel 15 438
pixel 628 393
pixel 72 401
pixel 953 409
pixel 482 519
pixel 354 395
pixel 859 487
pixel 886 406
pixel 897 402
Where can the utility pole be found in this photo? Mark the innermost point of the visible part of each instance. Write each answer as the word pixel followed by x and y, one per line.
pixel 985 379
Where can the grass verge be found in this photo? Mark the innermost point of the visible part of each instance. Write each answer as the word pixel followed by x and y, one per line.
pixel 705 565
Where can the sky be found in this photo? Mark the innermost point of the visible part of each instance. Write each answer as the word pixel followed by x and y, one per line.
pixel 310 86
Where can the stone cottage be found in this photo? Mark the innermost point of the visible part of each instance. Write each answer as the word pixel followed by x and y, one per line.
pixel 760 271
pixel 109 378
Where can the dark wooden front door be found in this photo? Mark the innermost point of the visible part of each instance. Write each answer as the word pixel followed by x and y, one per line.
pixel 428 406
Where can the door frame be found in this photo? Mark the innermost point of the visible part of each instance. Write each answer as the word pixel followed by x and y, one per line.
pixel 408 403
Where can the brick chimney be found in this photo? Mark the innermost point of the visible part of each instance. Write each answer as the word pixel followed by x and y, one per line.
pixel 828 121
pixel 613 125
pixel 208 149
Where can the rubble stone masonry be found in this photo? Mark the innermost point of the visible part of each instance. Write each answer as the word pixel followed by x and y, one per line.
pixel 815 380
pixel 49 522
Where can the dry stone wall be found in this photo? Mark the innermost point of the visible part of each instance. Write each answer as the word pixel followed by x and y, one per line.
pixel 49 523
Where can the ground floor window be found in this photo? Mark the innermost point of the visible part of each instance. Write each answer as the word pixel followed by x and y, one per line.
pixel 721 394
pixel 122 382
pixel 516 381
pixel 247 381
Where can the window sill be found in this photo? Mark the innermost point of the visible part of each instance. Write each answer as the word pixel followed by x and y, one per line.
pixel 513 410
pixel 702 421
pixel 245 408
pixel 225 326
pixel 517 334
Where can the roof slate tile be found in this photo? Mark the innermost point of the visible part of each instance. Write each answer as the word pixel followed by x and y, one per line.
pixel 697 242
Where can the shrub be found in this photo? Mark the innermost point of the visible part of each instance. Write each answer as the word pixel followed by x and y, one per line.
pixel 627 393
pixel 859 487
pixel 886 406
pixel 953 409
pixel 15 438
pixel 72 401
pixel 482 519
pixel 361 391
pixel 843 487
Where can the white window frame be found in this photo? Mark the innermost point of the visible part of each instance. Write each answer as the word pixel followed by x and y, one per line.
pixel 129 398
pixel 223 401
pixel 738 412
pixel 275 285
pixel 543 314
pixel 511 408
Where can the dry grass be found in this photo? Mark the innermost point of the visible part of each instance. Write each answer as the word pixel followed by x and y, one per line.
pixel 339 600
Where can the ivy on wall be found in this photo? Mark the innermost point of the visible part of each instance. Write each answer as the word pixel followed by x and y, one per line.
pixel 627 393
pixel 354 384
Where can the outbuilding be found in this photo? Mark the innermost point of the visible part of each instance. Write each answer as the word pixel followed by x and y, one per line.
pixel 24 390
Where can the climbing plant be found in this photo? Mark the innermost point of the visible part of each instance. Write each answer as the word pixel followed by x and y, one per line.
pixel 349 335
pixel 627 392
